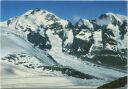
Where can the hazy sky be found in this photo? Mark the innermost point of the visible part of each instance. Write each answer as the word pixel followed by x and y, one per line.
pixel 71 10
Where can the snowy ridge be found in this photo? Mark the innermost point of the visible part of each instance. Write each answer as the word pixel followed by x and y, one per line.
pixel 34 19
pixel 39 39
pixel 85 22
pixel 108 18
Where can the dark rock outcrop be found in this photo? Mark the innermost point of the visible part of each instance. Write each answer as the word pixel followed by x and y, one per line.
pixel 119 83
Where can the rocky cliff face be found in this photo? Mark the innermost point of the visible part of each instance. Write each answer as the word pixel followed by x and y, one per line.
pixel 114 39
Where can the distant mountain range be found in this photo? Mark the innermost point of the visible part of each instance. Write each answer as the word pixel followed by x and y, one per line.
pixel 40 40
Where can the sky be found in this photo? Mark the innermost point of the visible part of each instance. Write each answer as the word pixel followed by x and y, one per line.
pixel 70 10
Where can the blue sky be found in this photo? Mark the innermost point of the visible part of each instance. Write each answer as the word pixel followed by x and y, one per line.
pixel 71 10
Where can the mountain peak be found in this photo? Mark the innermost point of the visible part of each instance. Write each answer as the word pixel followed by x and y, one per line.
pixel 34 19
pixel 108 18
pixel 32 11
pixel 84 22
pixel 41 13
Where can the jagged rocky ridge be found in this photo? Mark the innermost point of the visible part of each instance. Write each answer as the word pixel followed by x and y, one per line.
pixel 103 41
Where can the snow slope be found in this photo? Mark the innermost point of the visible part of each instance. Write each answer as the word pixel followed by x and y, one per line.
pixel 19 77
pixel 15 45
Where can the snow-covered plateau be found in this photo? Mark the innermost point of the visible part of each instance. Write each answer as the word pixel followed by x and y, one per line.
pixel 41 50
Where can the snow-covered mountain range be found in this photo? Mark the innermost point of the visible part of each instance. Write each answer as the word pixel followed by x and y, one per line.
pixel 41 42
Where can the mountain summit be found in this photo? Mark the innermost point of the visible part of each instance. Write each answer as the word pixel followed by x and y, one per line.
pixel 89 49
pixel 87 38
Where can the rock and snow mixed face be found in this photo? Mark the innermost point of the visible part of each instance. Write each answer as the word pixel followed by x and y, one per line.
pixel 109 18
pixel 109 31
pixel 85 23
pixel 115 28
pixel 13 44
pixel 69 37
pixel 34 24
pixel 34 19
pixel 41 38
